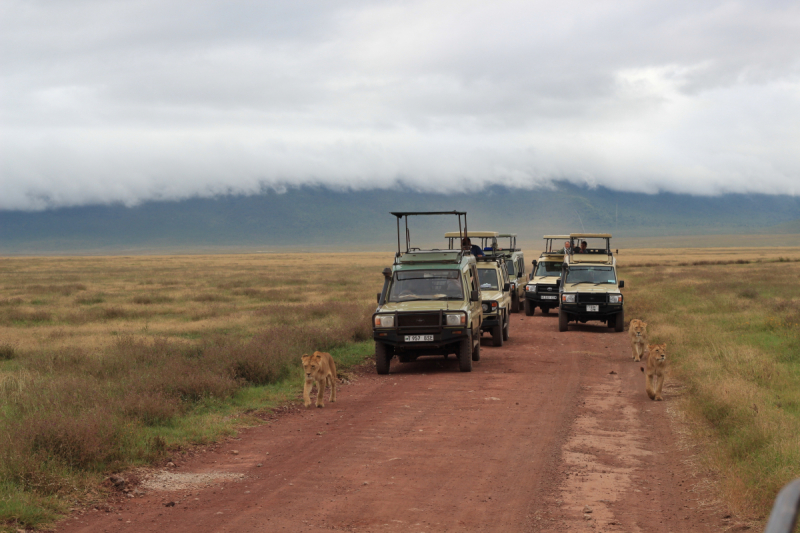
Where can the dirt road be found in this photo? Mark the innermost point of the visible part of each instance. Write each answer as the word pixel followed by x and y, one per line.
pixel 540 436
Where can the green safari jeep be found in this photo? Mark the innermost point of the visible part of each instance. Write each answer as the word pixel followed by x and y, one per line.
pixel 430 304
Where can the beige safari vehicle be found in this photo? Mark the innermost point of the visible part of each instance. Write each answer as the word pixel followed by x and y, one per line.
pixel 493 243
pixel 430 304
pixel 590 288
pixel 542 289
pixel 496 297
pixel 515 266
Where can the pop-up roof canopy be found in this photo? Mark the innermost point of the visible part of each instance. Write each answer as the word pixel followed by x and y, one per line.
pixel 471 234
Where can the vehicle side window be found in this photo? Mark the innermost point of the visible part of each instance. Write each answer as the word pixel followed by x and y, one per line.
pixel 521 266
pixel 473 276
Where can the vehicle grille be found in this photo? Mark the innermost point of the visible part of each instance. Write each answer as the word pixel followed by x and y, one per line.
pixel 546 289
pixel 592 298
pixel 418 320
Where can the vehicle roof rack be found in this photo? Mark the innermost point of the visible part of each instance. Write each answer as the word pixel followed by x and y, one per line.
pixel 419 254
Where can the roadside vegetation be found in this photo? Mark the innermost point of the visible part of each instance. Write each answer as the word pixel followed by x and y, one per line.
pixel 107 363
pixel 732 325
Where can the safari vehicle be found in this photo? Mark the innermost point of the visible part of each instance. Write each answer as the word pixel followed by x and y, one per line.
pixel 496 297
pixel 590 289
pixel 542 289
pixel 513 256
pixel 430 303
pixel 515 265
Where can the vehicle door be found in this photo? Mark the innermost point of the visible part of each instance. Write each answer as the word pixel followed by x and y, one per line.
pixel 476 311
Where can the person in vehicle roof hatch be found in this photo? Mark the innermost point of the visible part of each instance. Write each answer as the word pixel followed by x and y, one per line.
pixel 466 244
pixel 583 248
pixel 567 248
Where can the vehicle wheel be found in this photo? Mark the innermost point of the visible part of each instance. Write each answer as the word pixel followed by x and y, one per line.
pixel 476 351
pixel 465 355
pixel 383 357
pixel 505 329
pixel 563 318
pixel 497 335
pixel 514 304
pixel 620 322
pixel 529 308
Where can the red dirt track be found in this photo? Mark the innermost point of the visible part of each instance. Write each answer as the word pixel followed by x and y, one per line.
pixel 538 433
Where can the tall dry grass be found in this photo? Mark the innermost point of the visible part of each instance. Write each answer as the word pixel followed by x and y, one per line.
pixel 103 360
pixel 734 339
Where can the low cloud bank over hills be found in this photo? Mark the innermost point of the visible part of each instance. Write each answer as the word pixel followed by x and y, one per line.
pixel 309 217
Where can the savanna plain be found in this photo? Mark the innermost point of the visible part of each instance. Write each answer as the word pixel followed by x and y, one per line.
pixel 112 362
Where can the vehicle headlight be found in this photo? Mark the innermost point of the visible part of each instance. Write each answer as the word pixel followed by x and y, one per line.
pixel 485 308
pixel 615 298
pixel 530 288
pixel 384 321
pixel 568 298
pixel 456 320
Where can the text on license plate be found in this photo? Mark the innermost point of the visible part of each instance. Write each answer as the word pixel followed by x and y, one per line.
pixel 592 308
pixel 549 297
pixel 421 338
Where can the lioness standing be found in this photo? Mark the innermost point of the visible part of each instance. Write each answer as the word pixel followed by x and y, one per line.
pixel 656 365
pixel 638 334
pixel 320 370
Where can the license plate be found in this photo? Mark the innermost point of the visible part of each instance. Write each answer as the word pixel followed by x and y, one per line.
pixel 549 297
pixel 419 338
pixel 592 308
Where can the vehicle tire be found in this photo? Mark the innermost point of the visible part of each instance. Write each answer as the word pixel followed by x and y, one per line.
pixel 514 304
pixel 497 335
pixel 476 351
pixel 620 322
pixel 529 308
pixel 563 319
pixel 383 357
pixel 465 355
pixel 505 329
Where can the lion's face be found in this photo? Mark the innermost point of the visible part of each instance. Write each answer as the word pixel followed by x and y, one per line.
pixel 658 351
pixel 638 328
pixel 311 365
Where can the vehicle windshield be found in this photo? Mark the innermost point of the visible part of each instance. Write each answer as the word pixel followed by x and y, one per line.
pixel 591 274
pixel 488 278
pixel 426 285
pixel 510 268
pixel 548 269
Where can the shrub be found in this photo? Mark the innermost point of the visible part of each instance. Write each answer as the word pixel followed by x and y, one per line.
pixel 7 352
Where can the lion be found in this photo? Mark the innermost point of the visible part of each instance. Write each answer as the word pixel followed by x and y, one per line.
pixel 656 365
pixel 320 370
pixel 638 334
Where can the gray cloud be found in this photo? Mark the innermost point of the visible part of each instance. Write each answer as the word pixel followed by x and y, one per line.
pixel 128 101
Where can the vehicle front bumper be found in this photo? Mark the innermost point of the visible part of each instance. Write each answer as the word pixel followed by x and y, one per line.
pixel 441 337
pixel 579 312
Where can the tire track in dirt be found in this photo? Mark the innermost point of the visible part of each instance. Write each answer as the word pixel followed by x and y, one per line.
pixel 426 449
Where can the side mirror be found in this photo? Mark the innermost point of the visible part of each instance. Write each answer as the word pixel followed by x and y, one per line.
pixel 379 297
pixel 475 296
pixel 621 283
pixel 558 283
pixel 506 287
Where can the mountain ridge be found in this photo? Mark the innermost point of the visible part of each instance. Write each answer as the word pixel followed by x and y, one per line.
pixel 318 216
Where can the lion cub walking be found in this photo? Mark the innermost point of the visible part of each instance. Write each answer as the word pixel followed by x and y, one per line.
pixel 320 370
pixel 656 365
pixel 638 332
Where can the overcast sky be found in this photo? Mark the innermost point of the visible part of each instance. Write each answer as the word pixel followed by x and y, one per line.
pixel 124 101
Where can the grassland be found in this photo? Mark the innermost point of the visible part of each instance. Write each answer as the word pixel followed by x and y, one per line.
pixel 113 361
pixel 107 362
pixel 731 319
